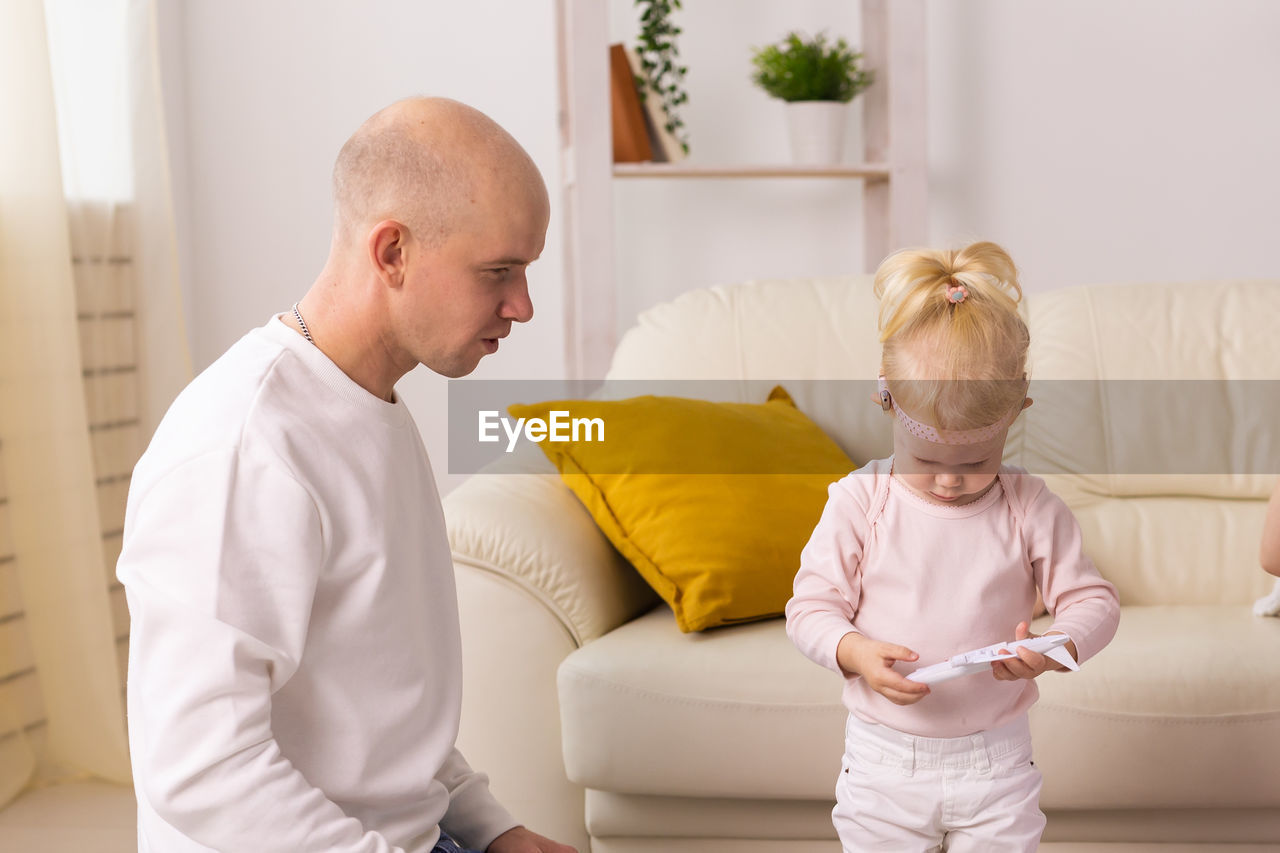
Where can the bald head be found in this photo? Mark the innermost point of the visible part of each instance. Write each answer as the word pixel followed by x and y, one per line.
pixel 419 161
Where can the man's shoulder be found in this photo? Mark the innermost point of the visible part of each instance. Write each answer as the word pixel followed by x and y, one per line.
pixel 212 412
pixel 227 388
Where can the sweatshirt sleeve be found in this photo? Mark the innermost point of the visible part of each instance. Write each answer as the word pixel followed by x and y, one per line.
pixel 220 564
pixel 1084 605
pixel 826 591
pixel 474 816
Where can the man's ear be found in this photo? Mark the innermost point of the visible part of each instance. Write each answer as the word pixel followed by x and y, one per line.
pixel 387 242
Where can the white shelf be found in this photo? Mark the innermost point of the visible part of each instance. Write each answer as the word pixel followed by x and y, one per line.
pixel 894 179
pixel 865 171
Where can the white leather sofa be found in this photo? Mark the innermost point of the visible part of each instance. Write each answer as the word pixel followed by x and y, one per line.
pixel 595 717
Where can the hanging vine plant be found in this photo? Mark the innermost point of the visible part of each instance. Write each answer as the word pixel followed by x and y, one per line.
pixel 660 62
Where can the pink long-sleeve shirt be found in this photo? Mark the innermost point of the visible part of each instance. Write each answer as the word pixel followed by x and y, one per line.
pixel 942 580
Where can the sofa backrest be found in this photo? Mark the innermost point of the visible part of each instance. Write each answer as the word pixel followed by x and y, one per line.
pixel 1162 538
pixel 788 331
pixel 1166 527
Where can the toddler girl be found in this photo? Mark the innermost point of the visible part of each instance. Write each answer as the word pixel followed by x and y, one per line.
pixel 938 550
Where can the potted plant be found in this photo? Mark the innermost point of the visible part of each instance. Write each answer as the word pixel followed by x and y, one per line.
pixel 817 80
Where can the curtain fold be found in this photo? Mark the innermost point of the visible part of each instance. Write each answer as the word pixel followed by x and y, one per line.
pixel 164 360
pixel 44 433
pixel 92 350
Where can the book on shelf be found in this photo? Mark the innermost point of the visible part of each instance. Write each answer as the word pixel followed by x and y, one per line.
pixel 662 142
pixel 630 134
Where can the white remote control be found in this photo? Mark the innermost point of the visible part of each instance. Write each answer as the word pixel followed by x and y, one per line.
pixel 979 660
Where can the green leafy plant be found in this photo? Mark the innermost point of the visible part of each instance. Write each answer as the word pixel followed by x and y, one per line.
pixel 799 69
pixel 660 62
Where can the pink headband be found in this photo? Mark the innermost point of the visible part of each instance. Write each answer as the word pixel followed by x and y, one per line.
pixel 944 436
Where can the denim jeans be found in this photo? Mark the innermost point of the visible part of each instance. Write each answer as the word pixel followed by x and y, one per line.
pixel 448 845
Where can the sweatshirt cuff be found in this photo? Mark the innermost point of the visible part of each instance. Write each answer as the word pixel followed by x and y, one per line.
pixel 1079 636
pixel 828 635
pixel 478 821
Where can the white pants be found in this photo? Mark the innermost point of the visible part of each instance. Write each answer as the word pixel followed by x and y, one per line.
pixel 907 794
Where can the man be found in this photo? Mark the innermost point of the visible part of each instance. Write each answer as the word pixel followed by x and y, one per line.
pixel 295 665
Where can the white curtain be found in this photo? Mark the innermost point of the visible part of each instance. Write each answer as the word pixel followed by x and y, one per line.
pixel 92 350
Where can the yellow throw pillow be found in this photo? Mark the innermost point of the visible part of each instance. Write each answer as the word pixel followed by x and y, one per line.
pixel 711 502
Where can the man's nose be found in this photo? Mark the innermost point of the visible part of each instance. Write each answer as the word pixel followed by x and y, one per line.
pixel 519 305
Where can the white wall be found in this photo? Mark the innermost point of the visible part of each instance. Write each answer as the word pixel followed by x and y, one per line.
pixel 1108 140
pixel 1099 140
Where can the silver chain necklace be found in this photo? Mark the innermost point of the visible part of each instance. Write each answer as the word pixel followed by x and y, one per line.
pixel 303 324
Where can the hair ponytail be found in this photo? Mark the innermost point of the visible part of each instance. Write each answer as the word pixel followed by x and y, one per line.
pixel 928 336
pixel 912 284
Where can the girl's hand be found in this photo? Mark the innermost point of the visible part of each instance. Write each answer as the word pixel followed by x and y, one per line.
pixel 874 662
pixel 1027 664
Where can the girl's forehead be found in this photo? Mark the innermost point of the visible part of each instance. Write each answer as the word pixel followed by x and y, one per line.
pixel 946 454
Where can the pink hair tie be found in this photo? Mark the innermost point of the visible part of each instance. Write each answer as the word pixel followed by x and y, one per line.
pixel 956 292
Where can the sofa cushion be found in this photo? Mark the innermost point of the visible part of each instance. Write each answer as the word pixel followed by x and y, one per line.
pixel 1182 709
pixel 1162 549
pixel 738 712
pixel 733 712
pixel 711 502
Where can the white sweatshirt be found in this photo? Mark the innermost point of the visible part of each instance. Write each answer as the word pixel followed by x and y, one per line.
pixel 295 667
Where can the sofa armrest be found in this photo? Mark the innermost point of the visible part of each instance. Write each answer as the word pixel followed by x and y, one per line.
pixel 532 531
pixel 536 580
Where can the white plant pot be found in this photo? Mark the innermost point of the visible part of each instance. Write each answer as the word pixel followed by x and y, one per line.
pixel 816 129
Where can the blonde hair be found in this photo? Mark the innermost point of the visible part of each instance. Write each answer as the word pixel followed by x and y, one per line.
pixel 931 343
